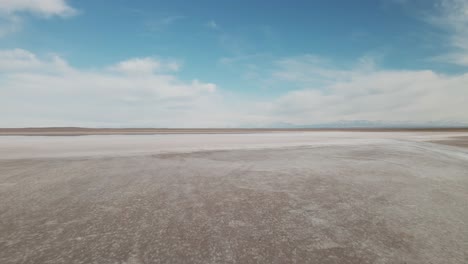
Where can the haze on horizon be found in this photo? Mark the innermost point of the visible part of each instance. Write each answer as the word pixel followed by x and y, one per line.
pixel 233 64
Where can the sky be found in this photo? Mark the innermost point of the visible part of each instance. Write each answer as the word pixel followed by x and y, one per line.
pixel 211 63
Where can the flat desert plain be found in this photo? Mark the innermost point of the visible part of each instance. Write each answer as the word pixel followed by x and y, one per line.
pixel 235 197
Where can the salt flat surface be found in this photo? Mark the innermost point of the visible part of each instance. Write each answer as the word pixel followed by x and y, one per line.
pixel 115 145
pixel 331 197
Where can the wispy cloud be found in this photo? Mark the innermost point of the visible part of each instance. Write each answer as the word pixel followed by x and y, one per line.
pixel 234 43
pixel 10 24
pixel 241 58
pixel 453 17
pixel 159 24
pixel 213 25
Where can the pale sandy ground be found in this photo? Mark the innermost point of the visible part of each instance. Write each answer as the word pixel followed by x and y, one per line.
pixel 302 197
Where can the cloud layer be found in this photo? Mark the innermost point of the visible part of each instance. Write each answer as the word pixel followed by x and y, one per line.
pixel 47 91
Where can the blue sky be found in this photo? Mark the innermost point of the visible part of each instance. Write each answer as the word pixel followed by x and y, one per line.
pixel 232 63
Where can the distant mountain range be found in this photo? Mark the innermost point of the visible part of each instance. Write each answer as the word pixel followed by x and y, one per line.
pixel 376 124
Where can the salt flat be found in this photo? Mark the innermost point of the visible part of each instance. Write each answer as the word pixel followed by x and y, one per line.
pixel 121 145
pixel 299 197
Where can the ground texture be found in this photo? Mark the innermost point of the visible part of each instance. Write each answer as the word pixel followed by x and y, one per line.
pixel 380 201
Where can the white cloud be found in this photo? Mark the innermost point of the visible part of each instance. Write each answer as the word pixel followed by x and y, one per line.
pixel 12 12
pixel 17 59
pixel 23 61
pixel 366 93
pixel 145 66
pixel 38 7
pixel 38 90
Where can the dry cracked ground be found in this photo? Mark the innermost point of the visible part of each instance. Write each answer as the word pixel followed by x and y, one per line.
pixel 340 199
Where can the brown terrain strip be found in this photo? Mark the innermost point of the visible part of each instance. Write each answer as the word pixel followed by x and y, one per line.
pixel 76 131
pixel 454 141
